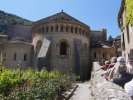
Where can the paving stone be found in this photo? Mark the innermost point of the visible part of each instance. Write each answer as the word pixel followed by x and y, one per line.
pixel 82 92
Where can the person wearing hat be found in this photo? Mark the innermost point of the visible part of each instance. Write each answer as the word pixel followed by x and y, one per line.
pixel 130 66
pixel 124 76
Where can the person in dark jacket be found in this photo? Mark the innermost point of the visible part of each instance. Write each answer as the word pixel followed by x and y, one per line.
pixel 124 76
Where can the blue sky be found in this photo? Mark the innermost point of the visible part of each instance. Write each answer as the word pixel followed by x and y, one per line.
pixel 97 14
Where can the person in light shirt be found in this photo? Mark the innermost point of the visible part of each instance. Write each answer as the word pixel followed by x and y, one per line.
pixel 130 66
pixel 129 88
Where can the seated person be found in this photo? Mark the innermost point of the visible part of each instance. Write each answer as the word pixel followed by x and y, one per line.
pixel 129 88
pixel 130 66
pixel 124 76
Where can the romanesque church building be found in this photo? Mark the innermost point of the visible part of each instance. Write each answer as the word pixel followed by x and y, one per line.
pixel 57 42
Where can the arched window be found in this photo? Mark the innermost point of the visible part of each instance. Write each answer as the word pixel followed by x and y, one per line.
pixel 66 28
pixel 38 47
pixel 25 57
pixel 4 57
pixel 95 55
pixel 15 56
pixel 63 48
pixel 79 31
pixel 75 30
pixel 103 55
pixel 83 32
pixel 72 29
pixel 51 29
pixel 47 29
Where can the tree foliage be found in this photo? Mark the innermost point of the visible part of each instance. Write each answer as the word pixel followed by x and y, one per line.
pixel 31 84
pixel 10 19
pixel 129 11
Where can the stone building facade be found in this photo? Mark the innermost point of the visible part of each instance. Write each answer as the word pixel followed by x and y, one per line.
pixel 56 42
pixel 69 43
pixel 127 32
pixel 3 38
pixel 17 53
pixel 100 47
pixel 101 51
pixel 98 35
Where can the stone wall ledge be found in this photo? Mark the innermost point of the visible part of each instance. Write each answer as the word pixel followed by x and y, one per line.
pixel 101 89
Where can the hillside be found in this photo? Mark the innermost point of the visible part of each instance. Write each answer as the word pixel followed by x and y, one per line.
pixel 10 19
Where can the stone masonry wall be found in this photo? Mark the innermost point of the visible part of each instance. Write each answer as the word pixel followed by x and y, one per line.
pixel 104 90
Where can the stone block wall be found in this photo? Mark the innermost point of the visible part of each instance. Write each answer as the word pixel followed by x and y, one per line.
pixel 101 89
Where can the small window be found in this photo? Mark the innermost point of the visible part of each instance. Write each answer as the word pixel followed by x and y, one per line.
pixel 67 29
pixel 62 18
pixel 72 29
pixel 75 30
pixel 63 48
pixel 95 55
pixel 79 31
pixel 51 29
pixel 103 55
pixel 61 28
pixel 47 29
pixel 83 32
pixel 25 57
pixel 4 56
pixel 15 56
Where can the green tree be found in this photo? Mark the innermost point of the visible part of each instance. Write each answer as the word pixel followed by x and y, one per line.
pixel 129 11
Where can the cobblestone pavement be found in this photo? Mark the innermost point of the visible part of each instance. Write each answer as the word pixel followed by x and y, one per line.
pixel 82 92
